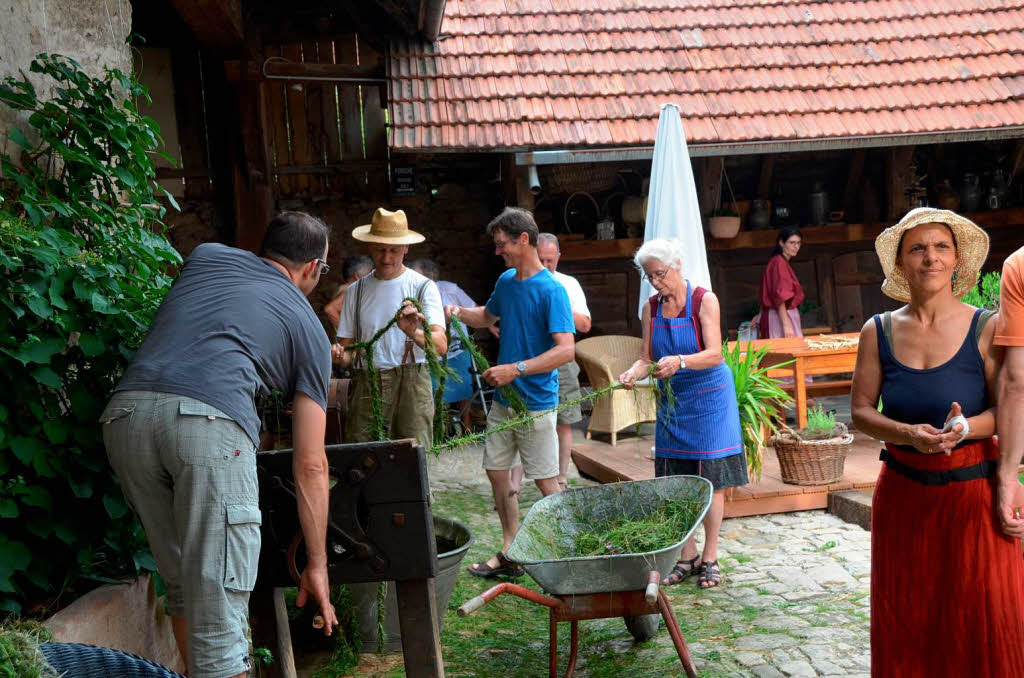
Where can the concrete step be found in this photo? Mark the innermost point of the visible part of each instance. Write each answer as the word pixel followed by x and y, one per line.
pixel 852 506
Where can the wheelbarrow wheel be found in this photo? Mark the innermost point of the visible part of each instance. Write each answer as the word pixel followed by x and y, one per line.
pixel 643 627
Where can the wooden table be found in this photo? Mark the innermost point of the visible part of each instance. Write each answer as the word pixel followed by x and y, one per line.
pixel 806 361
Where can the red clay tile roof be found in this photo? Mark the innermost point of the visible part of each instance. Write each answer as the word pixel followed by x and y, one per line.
pixel 536 74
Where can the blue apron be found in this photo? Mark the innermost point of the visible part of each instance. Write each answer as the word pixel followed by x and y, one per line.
pixel 705 422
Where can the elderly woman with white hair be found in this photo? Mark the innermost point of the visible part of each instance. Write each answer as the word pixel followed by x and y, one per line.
pixel 699 434
pixel 943 575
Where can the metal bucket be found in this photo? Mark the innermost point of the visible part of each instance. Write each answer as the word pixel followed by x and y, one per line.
pixel 453 541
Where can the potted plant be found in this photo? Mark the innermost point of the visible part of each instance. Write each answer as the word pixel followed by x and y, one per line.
pixel 986 293
pixel 724 223
pixel 815 454
pixel 760 398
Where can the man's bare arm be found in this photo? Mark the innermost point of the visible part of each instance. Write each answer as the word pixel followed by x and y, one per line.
pixel 309 467
pixel 477 316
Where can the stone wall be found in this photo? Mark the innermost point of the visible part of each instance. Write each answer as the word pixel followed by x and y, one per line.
pixel 92 32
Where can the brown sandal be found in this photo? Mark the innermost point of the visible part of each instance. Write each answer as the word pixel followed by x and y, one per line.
pixel 505 568
pixel 680 573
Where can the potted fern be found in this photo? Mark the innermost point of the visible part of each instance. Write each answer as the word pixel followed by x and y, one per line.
pixel 761 401
pixel 815 454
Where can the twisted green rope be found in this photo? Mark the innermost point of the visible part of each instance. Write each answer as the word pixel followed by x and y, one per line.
pixel 508 392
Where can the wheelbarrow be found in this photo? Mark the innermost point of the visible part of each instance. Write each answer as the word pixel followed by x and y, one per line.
pixel 626 585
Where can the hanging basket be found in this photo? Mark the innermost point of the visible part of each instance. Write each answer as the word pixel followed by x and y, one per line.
pixel 724 227
pixel 812 462
pixel 591 177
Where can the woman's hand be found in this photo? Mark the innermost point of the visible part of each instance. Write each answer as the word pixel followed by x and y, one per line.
pixel 958 428
pixel 666 367
pixel 930 440
pixel 787 330
pixel 628 379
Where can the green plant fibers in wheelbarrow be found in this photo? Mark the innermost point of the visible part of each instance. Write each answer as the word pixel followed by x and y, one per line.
pixel 661 527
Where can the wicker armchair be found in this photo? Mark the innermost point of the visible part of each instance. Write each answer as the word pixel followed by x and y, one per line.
pixel 604 359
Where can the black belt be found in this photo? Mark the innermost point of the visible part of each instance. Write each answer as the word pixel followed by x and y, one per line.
pixel 985 469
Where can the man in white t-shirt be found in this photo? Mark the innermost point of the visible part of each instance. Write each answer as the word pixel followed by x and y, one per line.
pixel 398 357
pixel 569 373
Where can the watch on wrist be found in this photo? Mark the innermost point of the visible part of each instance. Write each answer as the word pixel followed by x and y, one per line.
pixel 682 361
pixel 521 367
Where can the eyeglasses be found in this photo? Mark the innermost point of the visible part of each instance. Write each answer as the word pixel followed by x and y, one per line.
pixel 655 277
pixel 324 266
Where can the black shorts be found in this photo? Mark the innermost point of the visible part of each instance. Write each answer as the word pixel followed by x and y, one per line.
pixel 723 473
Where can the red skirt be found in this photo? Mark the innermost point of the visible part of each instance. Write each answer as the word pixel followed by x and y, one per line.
pixel 947 586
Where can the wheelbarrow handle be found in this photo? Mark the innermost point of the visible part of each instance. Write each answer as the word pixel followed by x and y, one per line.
pixel 471 606
pixel 474 604
pixel 651 592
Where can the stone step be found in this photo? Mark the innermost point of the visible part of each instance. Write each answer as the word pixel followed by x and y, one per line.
pixel 852 506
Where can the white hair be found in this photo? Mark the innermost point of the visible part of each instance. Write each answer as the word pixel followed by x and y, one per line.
pixel 668 251
pixel 549 238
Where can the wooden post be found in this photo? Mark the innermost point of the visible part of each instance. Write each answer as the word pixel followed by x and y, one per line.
pixel 254 201
pixel 189 110
pixel 764 182
pixel 709 185
pixel 524 198
pixel 897 178
pixel 853 178
pixel 421 640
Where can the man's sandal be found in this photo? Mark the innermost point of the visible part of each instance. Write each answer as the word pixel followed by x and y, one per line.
pixel 505 568
pixel 684 569
pixel 710 575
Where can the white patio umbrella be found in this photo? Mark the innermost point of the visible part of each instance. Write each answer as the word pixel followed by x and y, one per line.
pixel 672 208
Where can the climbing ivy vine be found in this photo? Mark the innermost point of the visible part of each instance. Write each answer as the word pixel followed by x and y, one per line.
pixel 83 267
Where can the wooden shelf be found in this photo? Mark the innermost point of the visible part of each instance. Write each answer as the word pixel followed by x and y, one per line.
pixel 623 248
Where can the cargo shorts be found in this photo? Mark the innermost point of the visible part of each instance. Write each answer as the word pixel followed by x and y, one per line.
pixel 189 472
pixel 535 443
pixel 569 389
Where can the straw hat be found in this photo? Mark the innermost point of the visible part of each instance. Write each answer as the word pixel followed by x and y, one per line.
pixel 388 228
pixel 971 250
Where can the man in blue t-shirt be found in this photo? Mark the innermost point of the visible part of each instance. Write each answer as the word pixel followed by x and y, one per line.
pixel 536 337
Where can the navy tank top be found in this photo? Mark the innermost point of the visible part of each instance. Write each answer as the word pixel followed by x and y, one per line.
pixel 914 396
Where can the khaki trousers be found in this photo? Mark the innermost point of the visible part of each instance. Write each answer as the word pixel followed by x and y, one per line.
pixel 408 406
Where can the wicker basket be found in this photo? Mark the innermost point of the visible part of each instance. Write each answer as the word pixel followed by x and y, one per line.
pixel 812 462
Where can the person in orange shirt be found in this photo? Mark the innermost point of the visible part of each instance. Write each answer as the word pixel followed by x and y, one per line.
pixel 1009 422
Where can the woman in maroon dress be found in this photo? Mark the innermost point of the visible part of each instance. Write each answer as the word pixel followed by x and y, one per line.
pixel 947 586
pixel 781 293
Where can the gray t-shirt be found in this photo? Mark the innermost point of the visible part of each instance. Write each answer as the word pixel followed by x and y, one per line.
pixel 233 327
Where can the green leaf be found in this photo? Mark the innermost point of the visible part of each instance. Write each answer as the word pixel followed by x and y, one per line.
pixel 65 533
pixel 40 306
pixel 91 345
pixel 56 430
pixel 14 557
pixel 57 294
pixel 125 176
pixel 116 507
pixel 25 449
pixel 170 198
pixel 46 254
pixel 81 489
pixel 37 496
pixel 47 377
pixel 40 351
pixel 8 508
pixel 101 304
pixel 18 137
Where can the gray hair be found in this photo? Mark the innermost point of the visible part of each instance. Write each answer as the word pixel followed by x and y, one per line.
pixel 426 267
pixel 668 251
pixel 548 238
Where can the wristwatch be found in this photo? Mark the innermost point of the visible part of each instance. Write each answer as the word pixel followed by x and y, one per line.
pixel 682 361
pixel 521 367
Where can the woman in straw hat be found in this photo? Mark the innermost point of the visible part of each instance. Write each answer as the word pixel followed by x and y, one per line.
pixel 942 573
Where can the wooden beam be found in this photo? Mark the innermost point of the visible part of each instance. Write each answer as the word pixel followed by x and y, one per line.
pixel 217 24
pixel 254 199
pixel 348 74
pixel 1018 160
pixel 764 182
pixel 853 178
pixel 524 198
pixel 710 184
pixel 897 179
